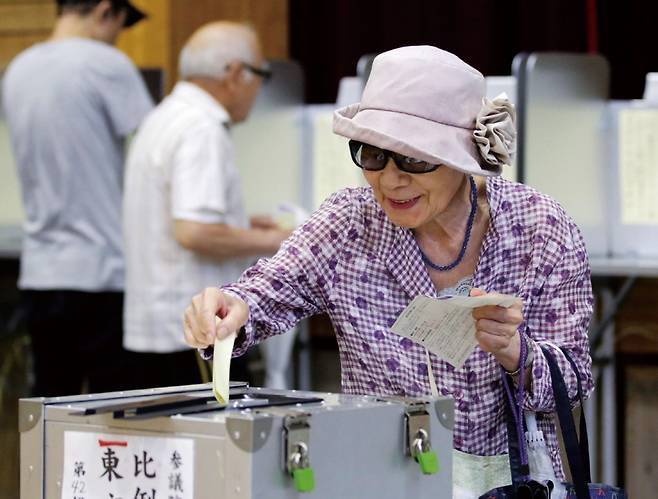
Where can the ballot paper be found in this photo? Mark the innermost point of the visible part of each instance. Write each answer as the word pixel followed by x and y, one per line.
pixel 445 326
pixel 221 366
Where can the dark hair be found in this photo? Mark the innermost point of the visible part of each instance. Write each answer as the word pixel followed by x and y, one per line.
pixel 84 7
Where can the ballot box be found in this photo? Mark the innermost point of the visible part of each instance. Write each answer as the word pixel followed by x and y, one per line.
pixel 179 443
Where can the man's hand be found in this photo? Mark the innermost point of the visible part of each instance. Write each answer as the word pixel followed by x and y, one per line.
pixel 263 222
pixel 201 324
pixel 497 331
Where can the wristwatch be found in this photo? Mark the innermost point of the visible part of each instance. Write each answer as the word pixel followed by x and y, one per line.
pixel 529 356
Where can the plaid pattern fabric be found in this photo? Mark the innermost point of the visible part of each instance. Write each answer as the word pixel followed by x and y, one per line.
pixel 350 261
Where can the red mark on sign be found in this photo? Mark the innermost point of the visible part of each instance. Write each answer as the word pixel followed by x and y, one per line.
pixel 110 443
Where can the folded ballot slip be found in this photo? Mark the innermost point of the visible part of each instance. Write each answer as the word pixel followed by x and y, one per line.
pixel 221 367
pixel 445 326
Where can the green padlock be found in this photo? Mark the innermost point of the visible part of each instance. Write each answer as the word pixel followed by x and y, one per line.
pixel 304 479
pixel 429 463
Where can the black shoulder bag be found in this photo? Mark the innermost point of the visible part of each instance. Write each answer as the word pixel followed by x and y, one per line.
pixel 523 487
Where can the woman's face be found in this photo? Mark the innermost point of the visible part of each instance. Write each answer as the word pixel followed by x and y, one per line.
pixel 412 200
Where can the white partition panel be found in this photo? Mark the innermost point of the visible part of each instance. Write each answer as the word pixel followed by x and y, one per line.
pixel 564 153
pixel 11 207
pixel 328 155
pixel 651 88
pixel 268 155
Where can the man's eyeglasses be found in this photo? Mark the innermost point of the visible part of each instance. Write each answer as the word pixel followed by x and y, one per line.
pixel 264 72
pixel 373 159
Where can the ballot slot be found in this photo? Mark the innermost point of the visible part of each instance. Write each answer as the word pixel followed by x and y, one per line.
pixel 237 402
pixel 186 403
pixel 115 401
pixel 178 400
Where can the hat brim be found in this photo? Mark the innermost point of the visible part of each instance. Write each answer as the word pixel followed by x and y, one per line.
pixel 410 135
pixel 133 16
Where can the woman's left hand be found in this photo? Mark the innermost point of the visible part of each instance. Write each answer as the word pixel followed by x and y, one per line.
pixel 497 330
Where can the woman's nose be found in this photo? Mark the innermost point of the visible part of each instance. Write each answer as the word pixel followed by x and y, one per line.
pixel 392 176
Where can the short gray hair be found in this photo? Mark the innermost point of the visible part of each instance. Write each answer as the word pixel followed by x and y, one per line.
pixel 213 47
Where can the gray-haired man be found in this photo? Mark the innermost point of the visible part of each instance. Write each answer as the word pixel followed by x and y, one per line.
pixel 185 222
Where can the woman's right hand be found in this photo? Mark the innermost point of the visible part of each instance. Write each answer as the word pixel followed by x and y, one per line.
pixel 202 318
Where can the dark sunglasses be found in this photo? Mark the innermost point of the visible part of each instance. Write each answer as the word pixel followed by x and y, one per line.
pixel 264 72
pixel 373 159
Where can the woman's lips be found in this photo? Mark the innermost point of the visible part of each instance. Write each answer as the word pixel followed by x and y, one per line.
pixel 402 204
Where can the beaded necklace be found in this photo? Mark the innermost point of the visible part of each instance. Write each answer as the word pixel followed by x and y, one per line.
pixel 467 236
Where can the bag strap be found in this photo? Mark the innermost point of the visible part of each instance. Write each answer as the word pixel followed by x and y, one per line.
pixel 563 408
pixel 513 442
pixel 583 441
pixel 517 448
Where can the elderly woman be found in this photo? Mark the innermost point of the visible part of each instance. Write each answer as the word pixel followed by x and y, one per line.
pixel 436 219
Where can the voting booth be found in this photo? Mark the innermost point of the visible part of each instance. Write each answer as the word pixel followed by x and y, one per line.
pixel 271 444
pixel 562 99
pixel 595 156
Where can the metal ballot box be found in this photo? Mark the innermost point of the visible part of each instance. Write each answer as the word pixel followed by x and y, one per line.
pixel 178 443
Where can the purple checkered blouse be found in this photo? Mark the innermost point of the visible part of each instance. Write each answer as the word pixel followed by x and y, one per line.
pixel 351 262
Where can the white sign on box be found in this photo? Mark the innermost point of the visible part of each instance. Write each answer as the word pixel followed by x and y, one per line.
pixel 98 465
pixel 445 326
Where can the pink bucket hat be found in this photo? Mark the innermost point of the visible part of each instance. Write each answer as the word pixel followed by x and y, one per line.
pixel 427 103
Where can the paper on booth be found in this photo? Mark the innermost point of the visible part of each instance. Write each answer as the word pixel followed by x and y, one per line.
pixel 637 165
pixel 221 366
pixel 445 326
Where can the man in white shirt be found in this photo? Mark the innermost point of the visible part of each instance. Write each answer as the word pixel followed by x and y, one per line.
pixel 70 103
pixel 184 220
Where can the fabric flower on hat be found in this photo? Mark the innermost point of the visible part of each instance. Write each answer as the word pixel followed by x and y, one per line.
pixel 495 131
